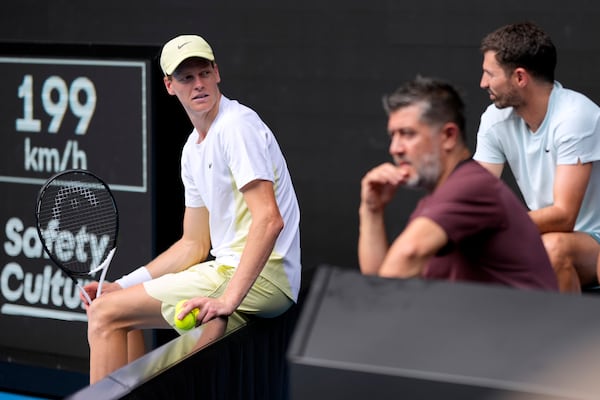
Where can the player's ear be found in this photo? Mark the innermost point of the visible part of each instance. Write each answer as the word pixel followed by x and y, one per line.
pixel 168 81
pixel 218 74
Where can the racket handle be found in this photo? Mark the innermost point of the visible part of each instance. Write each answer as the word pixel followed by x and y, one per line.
pixel 87 296
pixel 104 269
pixel 100 282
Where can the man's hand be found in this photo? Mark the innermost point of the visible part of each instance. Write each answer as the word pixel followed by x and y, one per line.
pixel 379 185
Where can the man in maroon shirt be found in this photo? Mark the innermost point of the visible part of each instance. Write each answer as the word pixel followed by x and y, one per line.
pixel 470 226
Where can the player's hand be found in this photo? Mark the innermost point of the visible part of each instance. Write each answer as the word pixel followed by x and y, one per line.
pixel 208 308
pixel 92 288
pixel 380 184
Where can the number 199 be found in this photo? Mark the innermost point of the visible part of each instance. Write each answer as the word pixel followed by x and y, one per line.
pixel 56 98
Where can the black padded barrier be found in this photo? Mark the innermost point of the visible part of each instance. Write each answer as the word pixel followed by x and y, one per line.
pixel 248 363
pixel 367 337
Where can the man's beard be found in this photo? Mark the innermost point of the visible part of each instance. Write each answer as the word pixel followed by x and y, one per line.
pixel 427 173
pixel 510 99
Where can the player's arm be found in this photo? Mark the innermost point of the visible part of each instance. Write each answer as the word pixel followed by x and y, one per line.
pixel 265 227
pixel 409 253
pixel 494 168
pixel 190 249
pixel 570 184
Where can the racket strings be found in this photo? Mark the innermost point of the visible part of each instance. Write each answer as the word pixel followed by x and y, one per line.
pixel 79 222
pixel 65 192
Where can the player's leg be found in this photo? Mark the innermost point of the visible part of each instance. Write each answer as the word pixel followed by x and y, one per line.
pixel 136 346
pixel 211 331
pixel 264 300
pixel 110 318
pixel 574 257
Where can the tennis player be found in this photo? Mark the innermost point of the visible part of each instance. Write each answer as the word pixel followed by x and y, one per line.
pixel 240 205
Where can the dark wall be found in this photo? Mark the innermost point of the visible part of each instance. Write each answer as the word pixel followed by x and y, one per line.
pixel 316 70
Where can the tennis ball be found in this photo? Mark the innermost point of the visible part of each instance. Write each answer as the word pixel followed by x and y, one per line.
pixel 189 321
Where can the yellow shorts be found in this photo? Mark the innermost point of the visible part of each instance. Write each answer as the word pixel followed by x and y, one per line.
pixel 209 279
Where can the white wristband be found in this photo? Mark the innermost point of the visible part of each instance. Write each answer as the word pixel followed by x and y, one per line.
pixel 138 276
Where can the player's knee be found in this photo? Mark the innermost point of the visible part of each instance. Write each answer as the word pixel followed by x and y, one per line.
pixel 99 318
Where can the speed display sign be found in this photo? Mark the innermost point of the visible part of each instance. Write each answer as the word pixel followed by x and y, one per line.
pixel 69 113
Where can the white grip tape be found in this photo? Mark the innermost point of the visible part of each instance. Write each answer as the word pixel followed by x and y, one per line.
pixel 138 276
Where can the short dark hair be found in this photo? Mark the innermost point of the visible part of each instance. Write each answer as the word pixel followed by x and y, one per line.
pixel 441 102
pixel 523 45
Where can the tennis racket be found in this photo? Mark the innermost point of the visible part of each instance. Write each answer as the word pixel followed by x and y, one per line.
pixel 78 223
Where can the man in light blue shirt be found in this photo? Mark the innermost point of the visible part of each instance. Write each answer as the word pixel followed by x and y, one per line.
pixel 550 137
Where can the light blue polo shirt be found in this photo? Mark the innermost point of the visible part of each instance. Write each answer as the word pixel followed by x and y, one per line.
pixel 569 133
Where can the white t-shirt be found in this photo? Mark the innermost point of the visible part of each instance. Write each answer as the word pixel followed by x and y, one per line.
pixel 238 149
pixel 570 132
